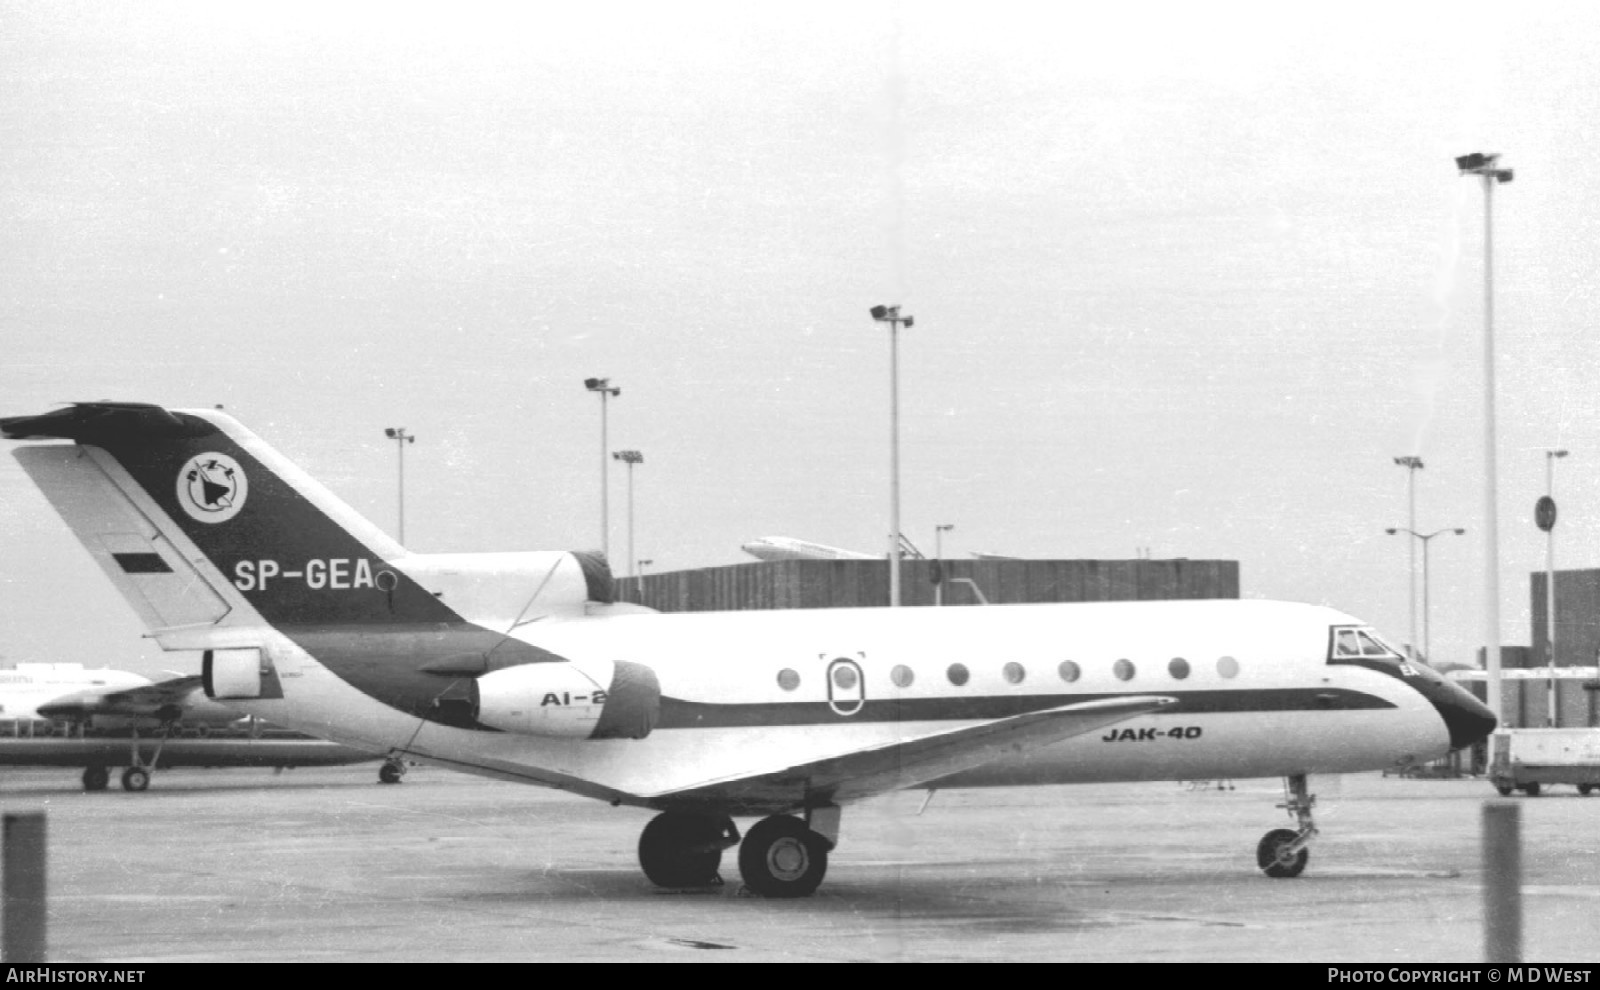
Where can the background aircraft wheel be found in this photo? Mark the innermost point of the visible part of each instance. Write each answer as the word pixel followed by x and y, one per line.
pixel 96 778
pixel 1504 789
pixel 1532 790
pixel 681 850
pixel 1268 854
pixel 135 779
pixel 780 857
pixel 390 773
pixel 1584 789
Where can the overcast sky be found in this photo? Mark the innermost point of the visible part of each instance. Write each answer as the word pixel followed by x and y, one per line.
pixel 1185 277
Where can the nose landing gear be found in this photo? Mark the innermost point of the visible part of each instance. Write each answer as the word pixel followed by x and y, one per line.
pixel 1283 852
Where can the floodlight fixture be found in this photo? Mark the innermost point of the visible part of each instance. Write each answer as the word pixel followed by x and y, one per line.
pixel 1485 166
pixel 891 315
pixel 400 437
pixel 603 388
pixel 630 458
pixel 1424 539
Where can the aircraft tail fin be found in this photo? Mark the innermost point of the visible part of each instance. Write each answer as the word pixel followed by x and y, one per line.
pixel 196 519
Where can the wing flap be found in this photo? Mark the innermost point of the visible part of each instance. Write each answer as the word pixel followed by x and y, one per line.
pixel 908 762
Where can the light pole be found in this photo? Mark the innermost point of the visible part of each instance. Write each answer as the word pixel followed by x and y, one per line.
pixel 399 435
pixel 1483 166
pixel 638 582
pixel 891 315
pixel 1412 465
pixel 604 387
pixel 1427 642
pixel 1547 522
pixel 630 458
pixel 938 555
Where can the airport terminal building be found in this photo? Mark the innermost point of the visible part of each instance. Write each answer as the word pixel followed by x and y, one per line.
pixel 864 583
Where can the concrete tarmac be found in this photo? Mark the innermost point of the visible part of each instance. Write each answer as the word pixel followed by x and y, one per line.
pixel 326 864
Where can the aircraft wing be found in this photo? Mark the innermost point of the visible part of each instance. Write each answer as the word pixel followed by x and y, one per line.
pixel 163 700
pixel 905 763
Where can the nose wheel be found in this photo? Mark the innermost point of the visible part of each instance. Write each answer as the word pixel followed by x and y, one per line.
pixel 95 778
pixel 1283 852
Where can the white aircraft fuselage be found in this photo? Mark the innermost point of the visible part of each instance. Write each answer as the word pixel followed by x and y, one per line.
pixel 26 686
pixel 1284 708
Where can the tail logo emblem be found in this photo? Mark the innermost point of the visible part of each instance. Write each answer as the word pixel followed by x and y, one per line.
pixel 212 487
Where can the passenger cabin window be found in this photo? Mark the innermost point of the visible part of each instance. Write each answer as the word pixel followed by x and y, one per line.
pixel 1069 671
pixel 1014 672
pixel 958 674
pixel 901 675
pixel 788 679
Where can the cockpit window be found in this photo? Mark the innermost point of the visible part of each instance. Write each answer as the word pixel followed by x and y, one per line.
pixel 1356 643
pixel 1370 647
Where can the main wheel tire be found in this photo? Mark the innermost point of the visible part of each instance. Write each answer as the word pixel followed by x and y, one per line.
pixel 390 773
pixel 96 778
pixel 1585 789
pixel 780 857
pixel 682 850
pixel 1532 790
pixel 1269 854
pixel 135 779
pixel 1504 789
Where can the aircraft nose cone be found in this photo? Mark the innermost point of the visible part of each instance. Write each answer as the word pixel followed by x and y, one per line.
pixel 59 710
pixel 1468 719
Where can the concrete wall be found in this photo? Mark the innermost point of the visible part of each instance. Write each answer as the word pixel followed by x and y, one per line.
pixel 859 583
pixel 1577 645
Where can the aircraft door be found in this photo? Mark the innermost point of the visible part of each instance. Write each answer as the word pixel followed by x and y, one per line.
pixel 847 688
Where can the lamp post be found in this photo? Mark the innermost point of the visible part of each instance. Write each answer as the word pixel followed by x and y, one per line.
pixel 1427 642
pixel 605 389
pixel 891 315
pixel 1412 465
pixel 1483 166
pixel 938 555
pixel 1546 517
pixel 399 435
pixel 630 458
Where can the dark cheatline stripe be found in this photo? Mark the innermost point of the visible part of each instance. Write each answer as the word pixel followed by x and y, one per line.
pixel 679 714
pixel 141 563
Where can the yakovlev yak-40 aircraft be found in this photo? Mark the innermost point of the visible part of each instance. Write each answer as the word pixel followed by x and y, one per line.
pixel 520 666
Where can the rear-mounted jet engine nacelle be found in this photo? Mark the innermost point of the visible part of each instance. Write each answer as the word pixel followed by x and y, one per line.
pixel 601 700
pixel 238 674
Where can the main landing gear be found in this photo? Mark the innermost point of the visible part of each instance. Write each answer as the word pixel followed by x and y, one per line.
pixel 781 856
pixel 1283 852
pixel 392 770
pixel 136 778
